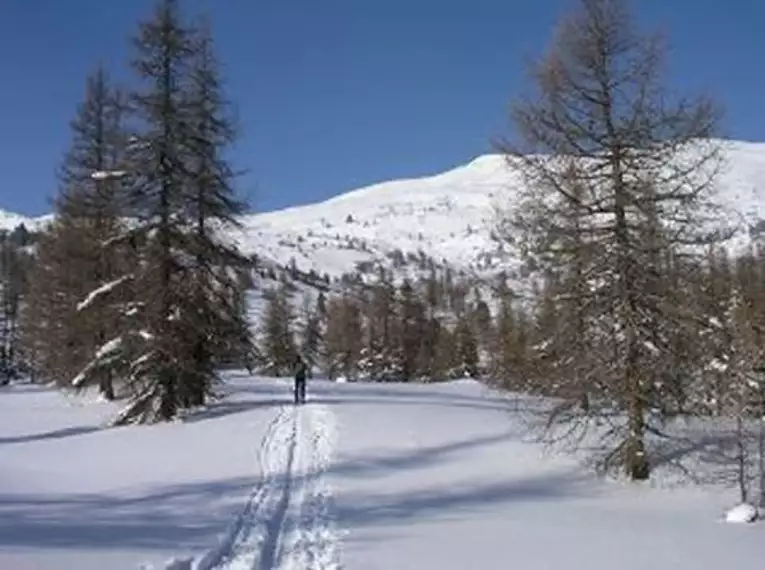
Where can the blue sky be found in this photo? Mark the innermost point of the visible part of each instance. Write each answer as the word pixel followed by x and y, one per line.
pixel 337 94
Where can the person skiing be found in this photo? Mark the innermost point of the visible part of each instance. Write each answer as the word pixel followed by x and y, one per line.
pixel 301 371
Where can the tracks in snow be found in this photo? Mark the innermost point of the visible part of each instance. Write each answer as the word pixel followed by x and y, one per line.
pixel 287 523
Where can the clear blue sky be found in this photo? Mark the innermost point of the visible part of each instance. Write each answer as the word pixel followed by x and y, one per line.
pixel 336 94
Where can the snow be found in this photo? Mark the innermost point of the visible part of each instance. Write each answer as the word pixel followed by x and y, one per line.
pixel 364 476
pixel 743 513
pixel 109 347
pixel 449 216
pixel 10 221
pixel 76 495
pixel 102 290
pixel 446 216
pixel 108 174
pixel 105 350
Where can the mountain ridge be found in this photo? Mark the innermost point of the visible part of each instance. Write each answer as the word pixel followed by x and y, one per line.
pixel 447 217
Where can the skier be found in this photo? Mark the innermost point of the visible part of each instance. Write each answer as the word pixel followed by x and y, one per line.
pixel 301 371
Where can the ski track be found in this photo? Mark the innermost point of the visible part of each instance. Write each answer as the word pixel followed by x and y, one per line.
pixel 287 523
pixel 312 539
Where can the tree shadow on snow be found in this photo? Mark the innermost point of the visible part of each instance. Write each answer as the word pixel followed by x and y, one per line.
pixel 54 434
pixel 454 501
pixel 375 392
pixel 419 457
pixel 174 518
pixel 705 458
pixel 177 518
pixel 407 400
pixel 241 398
pixel 227 407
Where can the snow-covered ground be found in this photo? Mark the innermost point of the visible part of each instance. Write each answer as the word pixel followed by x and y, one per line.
pixel 363 477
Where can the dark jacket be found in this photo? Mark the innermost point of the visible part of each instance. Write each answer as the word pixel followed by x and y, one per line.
pixel 301 371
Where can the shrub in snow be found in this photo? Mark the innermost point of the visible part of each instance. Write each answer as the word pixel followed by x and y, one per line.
pixel 743 513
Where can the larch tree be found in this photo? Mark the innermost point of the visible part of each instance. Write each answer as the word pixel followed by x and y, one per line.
pixel 466 349
pixel 312 333
pixel 279 348
pixel 412 332
pixel 180 197
pixel 67 329
pixel 381 357
pixel 216 325
pixel 91 208
pixel 343 337
pixel 604 144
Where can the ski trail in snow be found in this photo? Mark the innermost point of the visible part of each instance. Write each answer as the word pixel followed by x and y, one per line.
pixel 287 523
pixel 252 531
pixel 311 540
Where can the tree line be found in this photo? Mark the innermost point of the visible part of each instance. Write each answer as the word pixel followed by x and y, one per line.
pixel 15 261
pixel 382 330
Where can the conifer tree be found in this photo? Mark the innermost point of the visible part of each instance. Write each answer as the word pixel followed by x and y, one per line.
pixel 343 339
pixel 217 324
pixel 181 196
pixel 412 330
pixel 447 362
pixel 466 347
pixel 312 335
pixel 279 349
pixel 14 265
pixel 78 257
pixel 95 208
pixel 381 356
pixel 622 173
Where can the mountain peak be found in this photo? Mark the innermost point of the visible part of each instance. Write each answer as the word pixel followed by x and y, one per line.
pixel 447 216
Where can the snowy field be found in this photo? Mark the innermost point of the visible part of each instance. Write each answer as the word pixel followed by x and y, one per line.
pixel 363 477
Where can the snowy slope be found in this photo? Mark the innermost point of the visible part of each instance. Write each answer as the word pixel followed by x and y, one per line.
pixel 364 477
pixel 9 221
pixel 448 216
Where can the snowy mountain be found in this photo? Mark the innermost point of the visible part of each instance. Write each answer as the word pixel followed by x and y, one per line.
pixel 447 217
pixel 9 221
